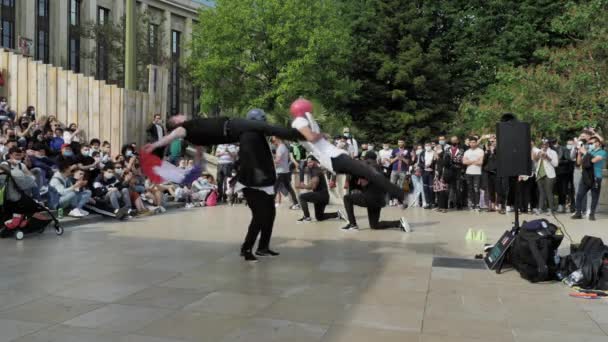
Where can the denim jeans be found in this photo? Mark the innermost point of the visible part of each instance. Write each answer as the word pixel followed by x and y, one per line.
pixel 115 196
pixel 417 192
pixel 75 200
pixel 473 183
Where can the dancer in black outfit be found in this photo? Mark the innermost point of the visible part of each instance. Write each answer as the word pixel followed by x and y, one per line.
pixel 318 195
pixel 256 175
pixel 373 198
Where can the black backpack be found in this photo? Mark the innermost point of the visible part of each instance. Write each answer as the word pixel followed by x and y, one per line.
pixel 534 249
pixel 590 257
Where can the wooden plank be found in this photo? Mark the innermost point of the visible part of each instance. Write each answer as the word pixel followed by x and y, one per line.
pixel 12 81
pixel 72 98
pixel 32 83
pixel 94 100
pixel 116 115
pixel 163 93
pixel 41 91
pixel 105 112
pixel 62 95
pixel 83 104
pixel 51 90
pixel 130 116
pixel 139 109
pixel 22 79
pixel 4 69
pixel 146 114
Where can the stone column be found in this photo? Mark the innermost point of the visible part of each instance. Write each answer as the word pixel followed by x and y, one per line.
pixel 26 27
pixel 59 21
pixel 88 14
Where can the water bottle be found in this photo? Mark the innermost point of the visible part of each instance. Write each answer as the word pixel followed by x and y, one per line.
pixel 574 278
pixel 60 213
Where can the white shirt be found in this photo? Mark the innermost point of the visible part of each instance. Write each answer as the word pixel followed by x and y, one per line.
pixel 428 158
pixel 322 149
pixel 473 154
pixel 549 165
pixel 226 158
pixel 159 131
pixel 385 157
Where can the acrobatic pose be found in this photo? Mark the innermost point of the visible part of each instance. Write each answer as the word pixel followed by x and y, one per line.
pixel 318 195
pixel 331 157
pixel 373 198
pixel 256 175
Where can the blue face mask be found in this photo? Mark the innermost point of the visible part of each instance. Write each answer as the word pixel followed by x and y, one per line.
pixel 68 153
pixel 129 153
pixel 591 147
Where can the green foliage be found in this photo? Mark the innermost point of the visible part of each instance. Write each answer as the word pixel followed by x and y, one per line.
pixel 565 93
pixel 253 53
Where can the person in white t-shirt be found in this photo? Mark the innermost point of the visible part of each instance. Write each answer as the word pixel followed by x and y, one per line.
pixel 473 159
pixel 332 158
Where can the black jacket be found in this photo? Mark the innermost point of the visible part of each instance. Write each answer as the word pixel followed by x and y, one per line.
pixel 256 165
pixel 152 133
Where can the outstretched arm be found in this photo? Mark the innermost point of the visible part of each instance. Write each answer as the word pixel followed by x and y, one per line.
pixel 177 133
pixel 309 135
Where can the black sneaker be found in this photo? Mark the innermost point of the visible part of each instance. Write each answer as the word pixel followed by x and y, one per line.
pixel 121 213
pixel 305 219
pixel 403 205
pixel 266 252
pixel 350 226
pixel 576 216
pixel 249 256
pixel 591 217
pixel 405 226
pixel 342 216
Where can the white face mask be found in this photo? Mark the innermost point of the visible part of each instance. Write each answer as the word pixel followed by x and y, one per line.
pixel 427 148
pixel 370 147
pixel 419 151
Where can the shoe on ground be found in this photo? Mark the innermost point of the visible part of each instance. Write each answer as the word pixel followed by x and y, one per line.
pixel 189 205
pixel 405 226
pixel 266 253
pixel 162 209
pixel 591 217
pixel 350 226
pixel 249 257
pixel 404 205
pixel 305 219
pixel 121 213
pixel 342 216
pixel 576 216
pixel 76 213
pixel 295 207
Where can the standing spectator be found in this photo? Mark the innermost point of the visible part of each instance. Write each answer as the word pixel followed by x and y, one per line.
pixel 454 176
pixel 385 159
pixel 353 146
pixel 473 159
pixel 71 194
pixel 427 163
pixel 440 186
pixel 593 159
pixel 154 132
pixel 281 162
pixel 400 161
pixel 226 156
pixel 564 173
pixel 298 153
pixel 546 161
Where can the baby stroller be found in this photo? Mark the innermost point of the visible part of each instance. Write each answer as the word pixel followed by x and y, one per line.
pixel 19 213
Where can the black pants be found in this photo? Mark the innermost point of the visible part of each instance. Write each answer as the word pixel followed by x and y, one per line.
pixel 263 213
pixel 284 179
pixel 362 199
pixel 562 183
pixel 223 171
pixel 236 126
pixel 442 199
pixel 427 182
pixel 492 186
pixel 346 165
pixel 455 190
pixel 595 189
pixel 320 201
pixel 473 184
pixel 502 191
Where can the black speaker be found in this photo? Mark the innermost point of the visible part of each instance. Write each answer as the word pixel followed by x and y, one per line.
pixel 513 148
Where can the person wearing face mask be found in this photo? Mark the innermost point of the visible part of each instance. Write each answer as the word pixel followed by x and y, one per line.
pixel 31 113
pixel 400 161
pixel 73 133
pixel 6 114
pixel 564 173
pixel 40 161
pixel 417 197
pixel 546 161
pixel 353 146
pixel 593 160
pixel 70 185
pixel 570 148
pixel 427 163
pixel 110 192
pixel 57 141
pixel 442 142
pixel 440 186
pixel 453 175
pixel 385 159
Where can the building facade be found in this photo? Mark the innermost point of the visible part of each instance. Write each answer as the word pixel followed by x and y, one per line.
pixel 48 31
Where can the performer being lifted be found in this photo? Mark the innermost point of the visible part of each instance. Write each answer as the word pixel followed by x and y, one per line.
pixel 331 157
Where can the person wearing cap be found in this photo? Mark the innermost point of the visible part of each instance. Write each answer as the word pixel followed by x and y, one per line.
pixel 373 197
pixel 318 194
pixel 546 161
pixel 353 146
pixel 332 158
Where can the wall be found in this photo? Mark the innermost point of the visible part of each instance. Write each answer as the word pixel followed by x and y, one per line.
pixel 103 111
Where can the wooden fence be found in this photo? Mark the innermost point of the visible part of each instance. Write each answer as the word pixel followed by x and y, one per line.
pixel 103 111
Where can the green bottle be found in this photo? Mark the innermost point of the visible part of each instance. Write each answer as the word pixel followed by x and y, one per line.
pixel 60 213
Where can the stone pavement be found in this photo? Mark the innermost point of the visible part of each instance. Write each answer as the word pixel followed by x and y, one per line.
pixel 178 277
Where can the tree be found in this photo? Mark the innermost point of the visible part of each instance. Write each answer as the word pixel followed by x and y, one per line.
pixel 253 53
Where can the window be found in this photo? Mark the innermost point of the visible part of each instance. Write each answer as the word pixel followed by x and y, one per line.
pixel 103 18
pixel 74 37
pixel 174 87
pixel 42 27
pixel 153 43
pixel 7 23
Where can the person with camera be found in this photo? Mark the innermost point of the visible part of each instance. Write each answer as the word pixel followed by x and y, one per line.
pixel 546 161
pixel 564 171
pixel 592 159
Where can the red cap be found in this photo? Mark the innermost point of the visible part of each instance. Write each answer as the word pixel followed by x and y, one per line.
pixel 300 107
pixel 66 145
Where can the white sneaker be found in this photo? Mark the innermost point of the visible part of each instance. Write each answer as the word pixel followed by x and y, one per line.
pixel 405 226
pixel 162 209
pixel 189 205
pixel 76 213
pixel 295 207
pixel 342 216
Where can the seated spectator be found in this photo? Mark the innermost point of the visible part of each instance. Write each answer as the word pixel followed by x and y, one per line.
pixel 21 174
pixel 40 161
pixel 30 113
pixel 70 185
pixel 10 143
pixel 6 114
pixel 105 152
pixel 57 141
pixel 111 190
pixel 24 130
pixel 72 133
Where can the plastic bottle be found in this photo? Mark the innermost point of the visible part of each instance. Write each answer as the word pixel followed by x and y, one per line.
pixel 574 278
pixel 60 213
